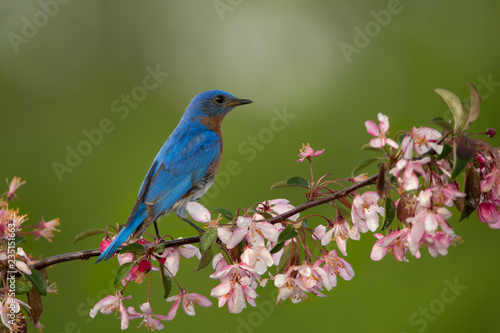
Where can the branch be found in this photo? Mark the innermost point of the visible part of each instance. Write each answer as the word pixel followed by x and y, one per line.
pixel 337 195
pixel 87 254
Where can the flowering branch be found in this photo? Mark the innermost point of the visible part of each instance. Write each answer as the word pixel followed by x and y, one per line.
pixel 416 187
pixel 87 254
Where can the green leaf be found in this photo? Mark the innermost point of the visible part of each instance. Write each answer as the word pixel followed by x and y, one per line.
pixel 305 223
pixel 36 305
pixel 298 181
pixel 160 248
pixel 390 213
pixel 166 281
pixel 277 248
pixel 288 233
pixel 285 257
pixel 18 240
pixel 291 182
pixel 123 271
pixel 226 213
pixel 401 137
pixel 460 115
pixel 459 167
pixel 363 164
pixel 133 247
pixel 344 211
pixel 88 233
pixel 38 281
pixel 226 256
pixel 264 214
pixel 446 151
pixel 208 239
pixel 206 259
pixel 22 287
pixel 443 123
pixel 367 146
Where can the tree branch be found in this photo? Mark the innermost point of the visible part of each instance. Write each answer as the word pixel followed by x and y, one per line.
pixel 342 193
pixel 87 254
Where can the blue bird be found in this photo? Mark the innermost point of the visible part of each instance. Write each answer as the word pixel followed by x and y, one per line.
pixel 184 168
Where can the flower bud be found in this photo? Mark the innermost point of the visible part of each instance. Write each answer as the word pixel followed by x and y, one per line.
pixel 487 212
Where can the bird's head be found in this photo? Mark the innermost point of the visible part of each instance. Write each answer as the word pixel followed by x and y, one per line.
pixel 210 107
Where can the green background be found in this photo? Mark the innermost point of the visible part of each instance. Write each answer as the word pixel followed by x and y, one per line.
pixel 63 80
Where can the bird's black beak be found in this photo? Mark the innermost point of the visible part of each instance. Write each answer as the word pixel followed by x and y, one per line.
pixel 242 102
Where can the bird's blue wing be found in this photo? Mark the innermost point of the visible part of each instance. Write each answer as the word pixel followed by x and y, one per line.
pixel 179 167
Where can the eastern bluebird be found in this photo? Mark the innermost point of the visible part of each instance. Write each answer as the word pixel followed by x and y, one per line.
pixel 184 168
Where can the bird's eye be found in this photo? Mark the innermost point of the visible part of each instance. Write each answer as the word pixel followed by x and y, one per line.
pixel 219 99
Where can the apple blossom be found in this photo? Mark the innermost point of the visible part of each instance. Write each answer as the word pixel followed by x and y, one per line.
pixel 379 132
pixel 308 152
pixel 149 320
pixel 188 300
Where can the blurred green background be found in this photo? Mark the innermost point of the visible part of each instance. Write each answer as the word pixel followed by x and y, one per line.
pixel 66 67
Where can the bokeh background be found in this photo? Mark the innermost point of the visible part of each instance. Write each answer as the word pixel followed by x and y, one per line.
pixel 313 77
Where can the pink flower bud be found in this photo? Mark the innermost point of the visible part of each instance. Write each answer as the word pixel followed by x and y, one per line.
pixel 144 266
pixel 491 132
pixel 104 244
pixel 487 213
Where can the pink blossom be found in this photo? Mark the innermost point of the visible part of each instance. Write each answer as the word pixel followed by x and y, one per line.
pixel 9 306
pixel 188 300
pixel 395 241
pixel 138 271
pixel 488 213
pixel 428 217
pixel 105 243
pixel 275 207
pixel 380 132
pixel 237 285
pixel 13 186
pixel 22 261
pixel 10 222
pixel 409 179
pixel 446 194
pixel 422 140
pixel 257 257
pixel 109 304
pixel 297 282
pixel 148 318
pixel 171 256
pixel 308 152
pixel 46 229
pixel 254 232
pixel 201 214
pixel 365 211
pixel 339 232
pixel 438 243
pixel 335 265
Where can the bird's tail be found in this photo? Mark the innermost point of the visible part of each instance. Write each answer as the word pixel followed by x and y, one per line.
pixel 139 217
